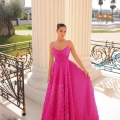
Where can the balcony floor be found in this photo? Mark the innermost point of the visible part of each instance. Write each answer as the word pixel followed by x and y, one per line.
pixel 107 94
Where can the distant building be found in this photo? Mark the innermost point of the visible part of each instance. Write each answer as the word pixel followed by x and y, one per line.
pixel 28 10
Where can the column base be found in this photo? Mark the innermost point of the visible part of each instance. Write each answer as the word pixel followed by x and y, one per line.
pixel 38 95
pixel 94 73
pixel 36 85
pixel 38 78
pixel 35 94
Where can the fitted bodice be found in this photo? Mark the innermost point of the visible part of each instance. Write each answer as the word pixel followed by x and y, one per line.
pixel 61 55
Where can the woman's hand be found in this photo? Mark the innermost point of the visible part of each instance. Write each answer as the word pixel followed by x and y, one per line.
pixel 86 73
pixel 77 58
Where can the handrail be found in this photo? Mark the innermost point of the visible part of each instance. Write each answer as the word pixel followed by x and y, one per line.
pixel 14 46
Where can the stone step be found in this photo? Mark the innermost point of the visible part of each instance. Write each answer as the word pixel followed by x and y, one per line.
pixel 4 117
pixel 6 114
pixel 33 110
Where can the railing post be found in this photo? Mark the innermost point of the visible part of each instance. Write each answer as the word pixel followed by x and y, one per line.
pixel 24 106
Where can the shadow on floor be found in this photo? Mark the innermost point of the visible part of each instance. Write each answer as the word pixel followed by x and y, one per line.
pixel 110 86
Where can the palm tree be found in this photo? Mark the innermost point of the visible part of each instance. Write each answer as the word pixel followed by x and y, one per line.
pixel 100 2
pixel 112 6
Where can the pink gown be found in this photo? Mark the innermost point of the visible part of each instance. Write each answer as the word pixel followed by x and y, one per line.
pixel 69 95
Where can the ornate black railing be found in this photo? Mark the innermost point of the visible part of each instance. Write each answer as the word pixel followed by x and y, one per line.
pixel 13 70
pixel 14 47
pixel 12 80
pixel 106 55
pixel 22 50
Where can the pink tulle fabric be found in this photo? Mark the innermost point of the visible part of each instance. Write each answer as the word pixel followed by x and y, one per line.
pixel 69 95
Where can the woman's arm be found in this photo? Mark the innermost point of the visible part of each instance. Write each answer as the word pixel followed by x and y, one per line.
pixel 77 58
pixel 51 58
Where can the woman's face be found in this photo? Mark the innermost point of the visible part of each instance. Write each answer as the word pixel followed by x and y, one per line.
pixel 61 32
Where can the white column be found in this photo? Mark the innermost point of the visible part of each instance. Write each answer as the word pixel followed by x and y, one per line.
pixel 79 31
pixel 76 14
pixel 45 16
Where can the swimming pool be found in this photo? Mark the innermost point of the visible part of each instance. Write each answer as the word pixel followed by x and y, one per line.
pixel 103 25
pixel 99 21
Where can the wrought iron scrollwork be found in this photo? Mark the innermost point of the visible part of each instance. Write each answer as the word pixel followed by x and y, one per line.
pixel 12 80
pixel 105 53
pixel 26 56
pixel 12 71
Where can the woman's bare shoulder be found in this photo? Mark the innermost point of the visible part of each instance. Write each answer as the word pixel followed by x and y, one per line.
pixel 51 43
pixel 70 42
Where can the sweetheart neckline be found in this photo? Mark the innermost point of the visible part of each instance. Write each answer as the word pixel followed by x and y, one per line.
pixel 62 49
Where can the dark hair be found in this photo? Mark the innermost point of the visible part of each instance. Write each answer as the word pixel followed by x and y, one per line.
pixel 60 25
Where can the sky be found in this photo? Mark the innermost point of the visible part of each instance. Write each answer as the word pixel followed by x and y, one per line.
pixel 106 4
pixel 28 3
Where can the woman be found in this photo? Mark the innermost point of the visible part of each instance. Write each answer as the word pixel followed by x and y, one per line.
pixel 69 94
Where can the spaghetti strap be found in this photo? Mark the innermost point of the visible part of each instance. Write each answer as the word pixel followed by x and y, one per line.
pixel 52 44
pixel 68 43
